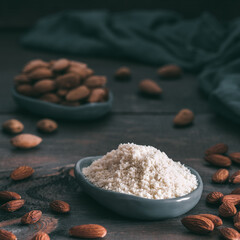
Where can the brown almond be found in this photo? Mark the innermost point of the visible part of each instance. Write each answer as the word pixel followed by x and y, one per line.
pixel 77 93
pixel 233 198
pixel 31 217
pixel 8 196
pixel 44 86
pixel 26 141
pixel 41 236
pixel 123 73
pixel 235 157
pixel 214 197
pixel 26 89
pixel 149 87
pixel 220 176
pixel 235 178
pixel 219 148
pixel 229 233
pixel 95 81
pixel 50 97
pixel 88 231
pixel 47 125
pixel 6 235
pixel 98 95
pixel 13 205
pixel 217 221
pixel 236 191
pixel 218 160
pixel 40 73
pixel 60 206
pixel 198 224
pixel 237 226
pixel 81 72
pixel 183 118
pixel 60 65
pixel 78 64
pixel 62 92
pixel 227 209
pixel 21 173
pixel 169 71
pixel 68 80
pixel 236 218
pixel 21 78
pixel 13 126
pixel 34 64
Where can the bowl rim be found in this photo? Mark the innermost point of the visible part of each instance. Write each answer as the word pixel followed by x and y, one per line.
pixel 79 174
pixel 84 106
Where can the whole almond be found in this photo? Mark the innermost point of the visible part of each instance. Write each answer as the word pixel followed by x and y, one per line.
pixel 13 126
pixel 40 73
pixel 236 191
pixel 21 78
pixel 214 197
pixel 31 217
pixel 21 173
pixel 78 64
pixel 235 178
pixel 220 176
pixel 236 218
pixel 26 141
pixel 95 81
pixel 47 125
pixel 44 86
pixel 26 89
pixel 50 97
pixel 60 65
pixel 237 226
pixel 77 93
pixel 150 87
pixel 6 235
pixel 62 92
pixel 34 64
pixel 217 221
pixel 68 80
pixel 218 160
pixel 13 205
pixel 82 72
pixel 233 198
pixel 60 206
pixel 123 73
pixel 235 157
pixel 170 71
pixel 229 233
pixel 227 209
pixel 41 236
pixel 8 196
pixel 198 224
pixel 88 231
pixel 183 118
pixel 219 148
pixel 98 95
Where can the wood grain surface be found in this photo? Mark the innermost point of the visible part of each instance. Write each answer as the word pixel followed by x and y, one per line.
pixel 133 119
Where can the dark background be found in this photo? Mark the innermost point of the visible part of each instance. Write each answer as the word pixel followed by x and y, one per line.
pixel 23 13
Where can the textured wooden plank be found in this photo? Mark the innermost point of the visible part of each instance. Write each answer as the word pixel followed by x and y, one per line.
pixel 177 94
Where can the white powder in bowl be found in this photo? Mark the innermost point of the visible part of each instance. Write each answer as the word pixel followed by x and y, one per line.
pixel 143 171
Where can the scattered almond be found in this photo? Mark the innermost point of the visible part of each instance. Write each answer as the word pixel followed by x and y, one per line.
pixel 229 233
pixel 34 64
pixel 150 87
pixel 41 236
pixel 227 209
pixel 26 141
pixel 217 221
pixel 235 178
pixel 8 196
pixel 78 93
pixel 44 86
pixel 47 125
pixel 6 235
pixel 220 176
pixel 60 65
pixel 22 172
pixel 219 148
pixel 13 205
pixel 123 73
pixel 88 231
pixel 183 118
pixel 198 224
pixel 218 160
pixel 169 71
pixel 214 197
pixel 31 217
pixel 60 206
pixel 235 157
pixel 232 198
pixel 13 126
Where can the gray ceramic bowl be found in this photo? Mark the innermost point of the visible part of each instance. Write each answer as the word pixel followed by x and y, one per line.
pixel 137 207
pixel 87 111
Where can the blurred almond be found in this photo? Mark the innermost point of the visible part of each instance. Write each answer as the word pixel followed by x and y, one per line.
pixel 123 73
pixel 150 87
pixel 236 191
pixel 6 235
pixel 235 157
pixel 13 126
pixel 95 81
pixel 77 93
pixel 98 95
pixel 169 71
pixel 50 97
pixel 47 125
pixel 8 196
pixel 183 118
pixel 34 64
pixel 220 176
pixel 68 80
pixel 13 205
pixel 40 73
pixel 22 172
pixel 26 89
pixel 26 141
pixel 21 78
pixel 44 86
pixel 219 148
pixel 60 65
pixel 236 218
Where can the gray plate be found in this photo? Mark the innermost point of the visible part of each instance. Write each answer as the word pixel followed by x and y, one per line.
pixel 137 207
pixel 87 111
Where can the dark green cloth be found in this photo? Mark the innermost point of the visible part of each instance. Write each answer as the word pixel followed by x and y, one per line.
pixel 202 45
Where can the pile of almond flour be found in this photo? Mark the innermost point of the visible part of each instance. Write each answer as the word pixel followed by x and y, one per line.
pixel 143 171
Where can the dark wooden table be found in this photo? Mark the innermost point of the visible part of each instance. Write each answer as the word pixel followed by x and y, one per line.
pixel 133 119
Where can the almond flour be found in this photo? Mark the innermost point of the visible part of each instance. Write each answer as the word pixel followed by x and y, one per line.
pixel 142 171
